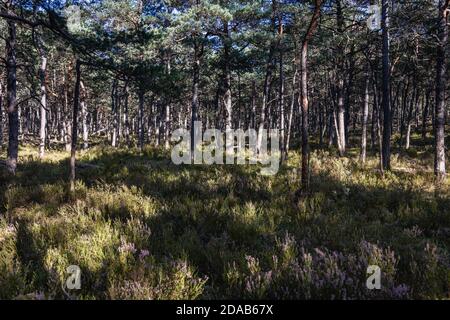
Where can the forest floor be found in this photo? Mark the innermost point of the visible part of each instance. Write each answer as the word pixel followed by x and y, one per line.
pixel 140 227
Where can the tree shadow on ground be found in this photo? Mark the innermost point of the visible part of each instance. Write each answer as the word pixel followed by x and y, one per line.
pixel 214 215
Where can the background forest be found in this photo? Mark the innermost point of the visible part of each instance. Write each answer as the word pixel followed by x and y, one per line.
pixel 92 90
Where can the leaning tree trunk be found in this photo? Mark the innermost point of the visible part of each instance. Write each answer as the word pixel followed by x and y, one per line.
pixel 441 68
pixel 12 108
pixel 387 128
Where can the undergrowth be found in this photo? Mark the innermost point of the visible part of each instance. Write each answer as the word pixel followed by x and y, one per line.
pixel 140 227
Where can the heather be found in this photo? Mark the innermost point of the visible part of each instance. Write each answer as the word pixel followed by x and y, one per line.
pixel 140 227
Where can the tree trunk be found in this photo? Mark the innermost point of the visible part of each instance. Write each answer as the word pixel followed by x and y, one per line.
pixel 281 90
pixel 426 110
pixel 65 118
pixel 404 111
pixel 76 103
pixel 266 91
pixel 282 112
pixel 267 83
pixel 126 117
pixel 12 108
pixel 167 123
pixel 341 130
pixel 348 95
pixel 341 119
pixel 167 127
pixel 386 148
pixel 291 112
pixel 365 117
pixel 410 115
pixel 115 112
pixel 141 94
pixel 227 77
pixel 304 95
pixel 1 114
pixel 373 129
pixel 305 120
pixel 441 78
pixel 84 117
pixel 376 115
pixel 195 92
pixel 43 106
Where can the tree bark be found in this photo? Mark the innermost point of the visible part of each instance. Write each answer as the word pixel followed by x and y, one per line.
pixel 386 148
pixel 227 76
pixel 267 82
pixel 76 104
pixel 410 116
pixel 253 105
pixel 281 90
pixel 84 113
pixel 167 127
pixel 126 116
pixel 291 111
pixel 114 114
pixel 12 108
pixel 1 114
pixel 266 91
pixel 195 92
pixel 365 117
pixel 340 81
pixel 403 110
pixel 304 95
pixel 425 114
pixel 141 95
pixel 43 105
pixel 441 78
pixel 167 123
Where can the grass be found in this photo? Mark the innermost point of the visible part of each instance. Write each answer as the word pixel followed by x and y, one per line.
pixel 140 227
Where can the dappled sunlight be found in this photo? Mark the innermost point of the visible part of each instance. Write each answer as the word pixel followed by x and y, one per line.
pixel 136 224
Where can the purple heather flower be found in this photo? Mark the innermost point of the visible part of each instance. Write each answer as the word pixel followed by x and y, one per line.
pixel 127 247
pixel 144 253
